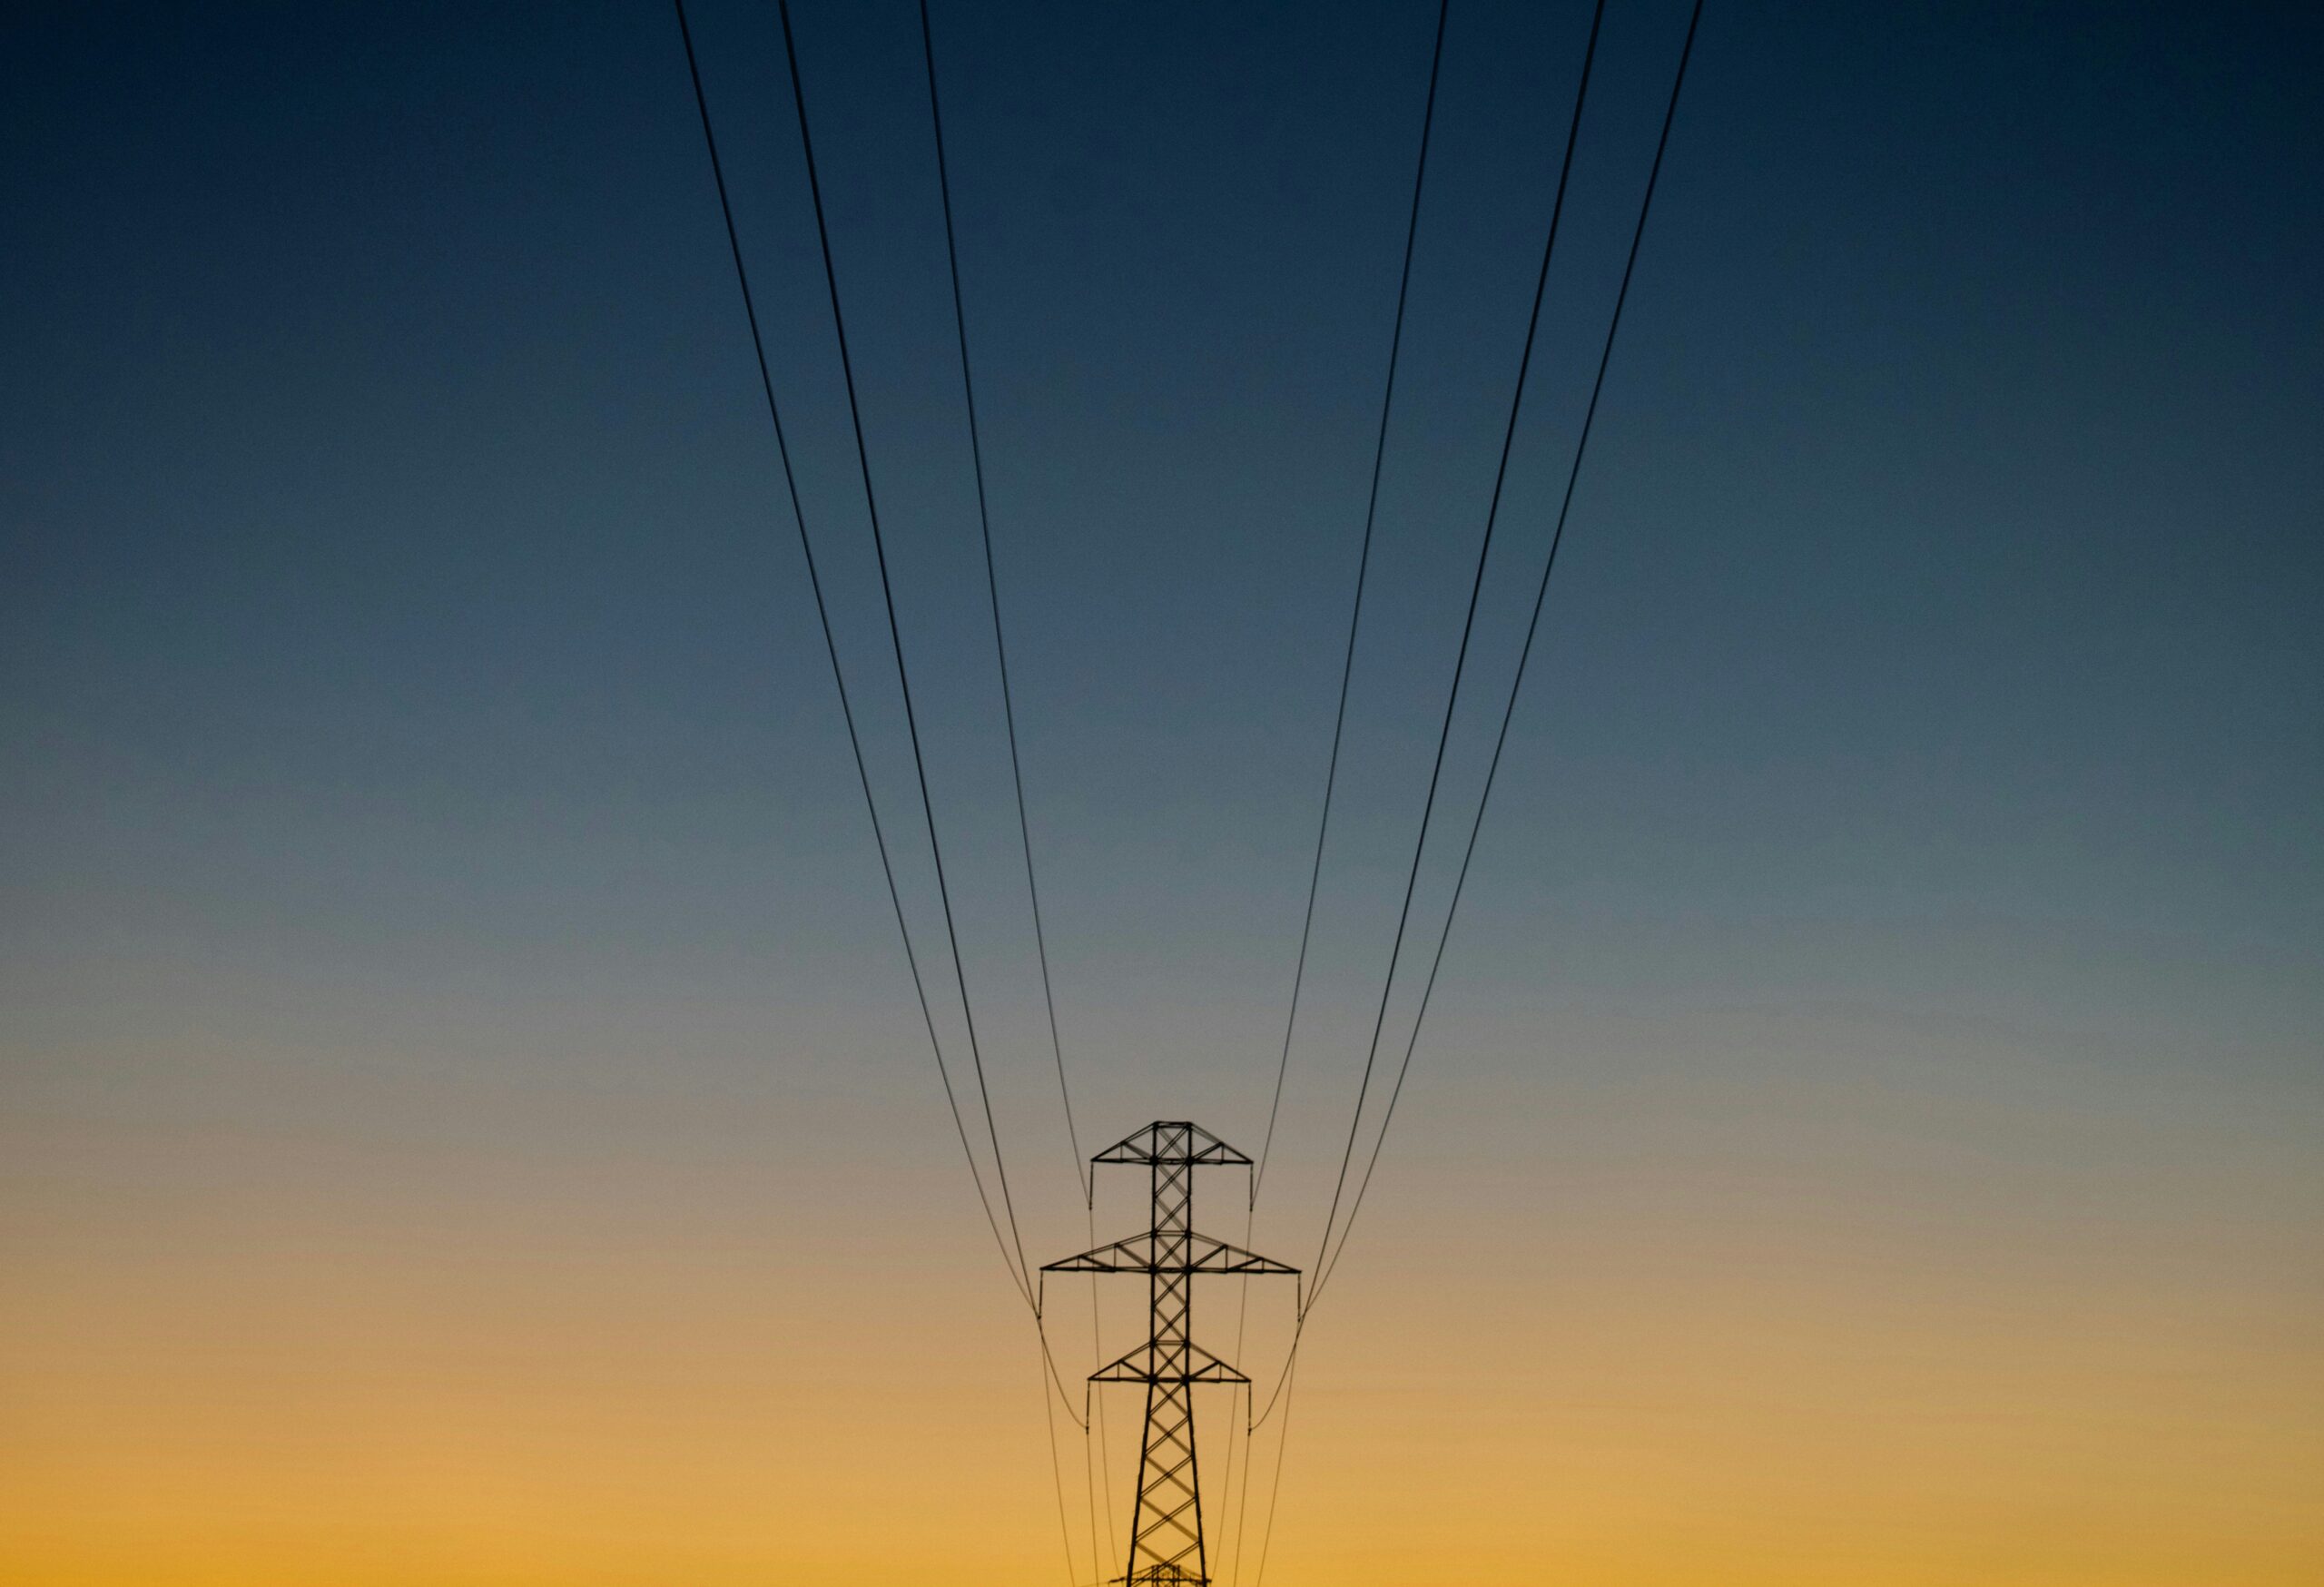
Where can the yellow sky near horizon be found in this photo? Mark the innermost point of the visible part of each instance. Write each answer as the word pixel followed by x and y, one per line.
pixel 1840 1334
pixel 489 1030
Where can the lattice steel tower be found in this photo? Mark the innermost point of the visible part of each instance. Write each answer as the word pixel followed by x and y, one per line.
pixel 1165 1543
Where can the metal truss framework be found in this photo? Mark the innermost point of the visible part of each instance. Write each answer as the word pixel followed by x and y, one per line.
pixel 1166 1527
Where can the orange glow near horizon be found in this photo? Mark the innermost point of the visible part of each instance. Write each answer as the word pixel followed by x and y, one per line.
pixel 519 877
pixel 242 1361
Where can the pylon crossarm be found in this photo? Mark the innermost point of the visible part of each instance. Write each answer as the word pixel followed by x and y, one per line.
pixel 1156 1362
pixel 1175 1252
pixel 1167 1143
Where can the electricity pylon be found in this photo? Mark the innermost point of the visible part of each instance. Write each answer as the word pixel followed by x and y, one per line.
pixel 1165 1544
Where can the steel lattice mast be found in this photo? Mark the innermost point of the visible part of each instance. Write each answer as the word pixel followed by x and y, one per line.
pixel 1166 1527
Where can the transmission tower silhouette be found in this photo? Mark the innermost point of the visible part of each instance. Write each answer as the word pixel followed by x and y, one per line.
pixel 1165 1548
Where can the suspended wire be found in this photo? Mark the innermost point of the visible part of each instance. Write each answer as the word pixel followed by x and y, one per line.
pixel 1097 1411
pixel 1573 474
pixel 1339 718
pixel 1243 1494
pixel 1088 1479
pixel 1242 1316
pixel 1082 1176
pixel 1283 1377
pixel 1063 1399
pixel 830 648
pixel 1339 727
pixel 1355 616
pixel 1242 1320
pixel 1468 625
pixel 1226 1507
pixel 1089 1467
pixel 895 632
pixel 823 613
pixel 1064 1529
pixel 1275 1489
pixel 1557 537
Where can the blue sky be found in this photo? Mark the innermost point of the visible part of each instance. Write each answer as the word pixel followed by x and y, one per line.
pixel 410 682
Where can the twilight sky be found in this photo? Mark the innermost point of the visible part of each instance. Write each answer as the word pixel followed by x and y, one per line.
pixel 463 1117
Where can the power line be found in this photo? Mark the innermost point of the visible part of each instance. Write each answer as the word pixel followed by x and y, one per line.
pixel 1081 1176
pixel 1057 1475
pixel 1605 356
pixel 1339 727
pixel 839 679
pixel 911 723
pixel 830 648
pixel 1557 537
pixel 1094 1409
pixel 1355 616
pixel 1468 625
pixel 1092 1416
pixel 1227 1504
pixel 1275 1491
pixel 1242 1497
pixel 895 632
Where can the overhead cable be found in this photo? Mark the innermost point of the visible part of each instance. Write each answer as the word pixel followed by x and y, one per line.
pixel 1533 626
pixel 1025 1291
pixel 1468 625
pixel 1332 764
pixel 1082 1175
pixel 830 648
pixel 895 632
pixel 1572 476
pixel 1355 616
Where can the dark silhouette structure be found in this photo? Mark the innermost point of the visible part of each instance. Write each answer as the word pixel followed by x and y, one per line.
pixel 1165 1547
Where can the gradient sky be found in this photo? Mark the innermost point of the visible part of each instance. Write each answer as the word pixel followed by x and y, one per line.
pixel 463 1118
